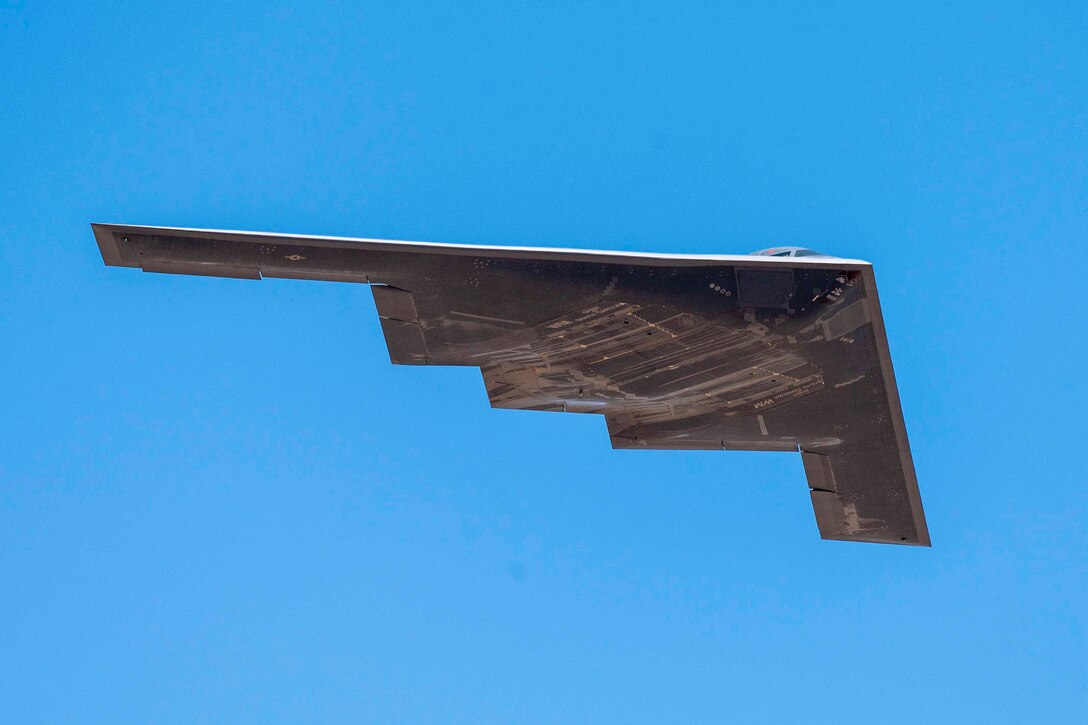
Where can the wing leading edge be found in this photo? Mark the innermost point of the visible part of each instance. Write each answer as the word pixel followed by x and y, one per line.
pixel 678 352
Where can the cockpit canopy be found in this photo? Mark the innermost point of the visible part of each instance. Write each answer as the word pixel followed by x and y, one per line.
pixel 789 252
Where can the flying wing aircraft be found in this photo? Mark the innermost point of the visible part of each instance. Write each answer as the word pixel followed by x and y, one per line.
pixel 782 350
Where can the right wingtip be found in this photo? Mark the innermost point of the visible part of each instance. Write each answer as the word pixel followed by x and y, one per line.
pixel 107 244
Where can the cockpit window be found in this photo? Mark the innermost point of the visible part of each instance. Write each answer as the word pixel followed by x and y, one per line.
pixel 789 252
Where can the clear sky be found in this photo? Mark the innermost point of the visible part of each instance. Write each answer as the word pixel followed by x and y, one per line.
pixel 220 502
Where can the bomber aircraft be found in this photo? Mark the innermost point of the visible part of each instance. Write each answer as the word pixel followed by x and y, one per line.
pixel 779 350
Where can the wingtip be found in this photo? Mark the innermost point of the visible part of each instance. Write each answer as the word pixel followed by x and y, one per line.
pixel 107 245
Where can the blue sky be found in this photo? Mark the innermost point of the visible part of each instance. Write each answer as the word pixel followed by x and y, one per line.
pixel 220 502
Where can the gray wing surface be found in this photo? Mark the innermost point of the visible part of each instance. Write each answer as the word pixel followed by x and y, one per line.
pixel 676 352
